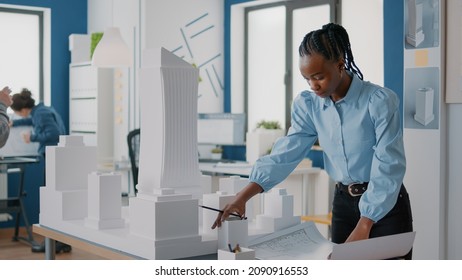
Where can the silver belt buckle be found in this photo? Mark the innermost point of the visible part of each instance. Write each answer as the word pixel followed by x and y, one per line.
pixel 350 190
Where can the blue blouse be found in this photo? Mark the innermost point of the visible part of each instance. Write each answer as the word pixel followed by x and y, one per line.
pixel 47 126
pixel 362 141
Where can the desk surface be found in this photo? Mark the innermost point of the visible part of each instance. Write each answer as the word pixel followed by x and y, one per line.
pixel 19 160
pixel 96 248
pixel 244 169
pixel 82 244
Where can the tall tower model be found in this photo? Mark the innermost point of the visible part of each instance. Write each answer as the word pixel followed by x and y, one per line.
pixel 165 209
pixel 168 144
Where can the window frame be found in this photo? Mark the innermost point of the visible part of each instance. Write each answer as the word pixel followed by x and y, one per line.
pixel 335 16
pixel 41 19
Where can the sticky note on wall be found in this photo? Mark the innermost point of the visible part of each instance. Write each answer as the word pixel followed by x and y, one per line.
pixel 421 58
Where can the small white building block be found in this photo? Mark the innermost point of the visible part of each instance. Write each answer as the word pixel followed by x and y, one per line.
pixel 233 231
pixel 69 163
pixel 67 166
pixel 278 203
pixel 62 205
pixel 104 201
pixel 206 183
pixel 235 184
pixel 424 105
pixel 216 200
pixel 279 209
pixel 244 254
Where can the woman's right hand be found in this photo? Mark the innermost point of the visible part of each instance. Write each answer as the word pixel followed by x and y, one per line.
pixel 236 207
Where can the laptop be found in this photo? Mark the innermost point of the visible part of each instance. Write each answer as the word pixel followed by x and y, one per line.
pixel 15 145
pixel 378 248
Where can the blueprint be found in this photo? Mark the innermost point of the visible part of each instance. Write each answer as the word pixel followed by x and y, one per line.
pixel 303 241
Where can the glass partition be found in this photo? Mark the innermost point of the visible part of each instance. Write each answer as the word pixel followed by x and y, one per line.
pixel 266 65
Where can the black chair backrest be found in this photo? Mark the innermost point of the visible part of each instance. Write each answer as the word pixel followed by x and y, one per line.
pixel 133 141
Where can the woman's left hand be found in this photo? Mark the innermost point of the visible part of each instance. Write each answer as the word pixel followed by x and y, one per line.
pixel 362 230
pixel 26 137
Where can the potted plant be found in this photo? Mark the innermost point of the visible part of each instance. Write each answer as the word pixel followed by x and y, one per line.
pixel 268 125
pixel 217 152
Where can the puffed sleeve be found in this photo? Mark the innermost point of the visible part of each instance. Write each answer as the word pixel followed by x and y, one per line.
pixel 289 150
pixel 389 161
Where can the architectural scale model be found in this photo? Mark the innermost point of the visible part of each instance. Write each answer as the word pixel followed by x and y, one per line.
pixel 415 35
pixel 424 105
pixel 162 221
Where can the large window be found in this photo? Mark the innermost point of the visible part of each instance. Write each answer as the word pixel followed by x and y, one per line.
pixel 21 50
pixel 273 33
pixel 264 74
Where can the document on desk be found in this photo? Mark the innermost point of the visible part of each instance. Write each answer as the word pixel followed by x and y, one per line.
pixel 300 242
pixel 305 242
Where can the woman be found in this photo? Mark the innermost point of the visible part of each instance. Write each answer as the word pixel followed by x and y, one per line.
pixel 358 126
pixel 47 126
pixel 46 122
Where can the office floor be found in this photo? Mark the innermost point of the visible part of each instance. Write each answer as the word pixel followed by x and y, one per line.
pixel 19 250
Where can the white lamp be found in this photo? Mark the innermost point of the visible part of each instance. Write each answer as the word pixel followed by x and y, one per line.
pixel 111 50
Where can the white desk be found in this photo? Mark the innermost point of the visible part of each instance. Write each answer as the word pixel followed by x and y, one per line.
pixel 312 184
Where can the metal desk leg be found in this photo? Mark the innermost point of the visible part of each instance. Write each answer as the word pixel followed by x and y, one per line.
pixel 22 212
pixel 50 246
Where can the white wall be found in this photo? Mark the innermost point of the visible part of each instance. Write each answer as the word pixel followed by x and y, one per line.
pixel 454 130
pixel 366 41
pixel 194 31
pixel 454 181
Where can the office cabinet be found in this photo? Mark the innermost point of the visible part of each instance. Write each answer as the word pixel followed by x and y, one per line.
pixel 91 110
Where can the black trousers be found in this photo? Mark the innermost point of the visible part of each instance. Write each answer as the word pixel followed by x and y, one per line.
pixel 345 216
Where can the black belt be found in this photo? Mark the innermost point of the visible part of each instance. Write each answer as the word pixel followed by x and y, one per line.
pixel 355 189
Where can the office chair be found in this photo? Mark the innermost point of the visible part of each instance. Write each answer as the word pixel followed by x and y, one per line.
pixel 133 141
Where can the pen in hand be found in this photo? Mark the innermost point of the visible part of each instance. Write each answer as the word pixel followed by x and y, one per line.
pixel 221 211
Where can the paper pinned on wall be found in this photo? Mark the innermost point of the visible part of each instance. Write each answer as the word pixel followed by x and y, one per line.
pixel 421 58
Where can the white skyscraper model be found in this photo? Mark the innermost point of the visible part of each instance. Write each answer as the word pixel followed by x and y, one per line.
pixel 168 143
pixel 415 34
pixel 169 181
pixel 279 211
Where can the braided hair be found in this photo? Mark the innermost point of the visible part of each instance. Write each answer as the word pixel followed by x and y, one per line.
pixel 333 43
